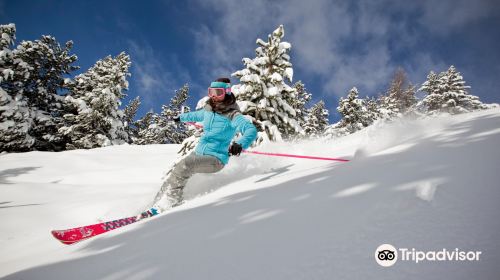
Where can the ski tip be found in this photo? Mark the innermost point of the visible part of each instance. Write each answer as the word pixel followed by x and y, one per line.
pixel 57 235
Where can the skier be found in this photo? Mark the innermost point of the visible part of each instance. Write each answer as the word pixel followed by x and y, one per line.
pixel 221 120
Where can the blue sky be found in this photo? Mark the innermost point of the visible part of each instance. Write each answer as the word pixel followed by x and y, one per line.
pixel 335 44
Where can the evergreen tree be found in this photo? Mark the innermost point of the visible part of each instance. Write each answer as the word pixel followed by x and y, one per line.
pixel 15 119
pixel 434 98
pixel 317 120
pixel 128 119
pixel 174 132
pixel 95 119
pixel 34 77
pixel 373 108
pixel 355 114
pixel 263 92
pixel 48 63
pixel 447 92
pixel 299 103
pixel 161 128
pixel 148 130
pixel 431 85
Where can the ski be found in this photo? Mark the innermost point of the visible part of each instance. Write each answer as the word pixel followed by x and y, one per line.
pixel 74 235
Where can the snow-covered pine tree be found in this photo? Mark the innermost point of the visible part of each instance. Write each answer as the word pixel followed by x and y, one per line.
pixel 263 92
pixel 354 112
pixel 447 92
pixel 148 131
pixel 15 118
pixel 373 108
pixel 161 128
pixel 317 120
pixel 34 76
pixel 175 133
pixel 299 103
pixel 128 118
pixel 388 107
pixel 433 99
pixel 48 65
pixel 14 124
pixel 95 119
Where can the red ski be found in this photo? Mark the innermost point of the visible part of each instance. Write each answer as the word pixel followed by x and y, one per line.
pixel 74 235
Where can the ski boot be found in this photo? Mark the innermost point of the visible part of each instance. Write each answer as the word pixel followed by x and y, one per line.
pixel 162 205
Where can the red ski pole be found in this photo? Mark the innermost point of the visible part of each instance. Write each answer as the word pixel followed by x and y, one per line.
pixel 295 156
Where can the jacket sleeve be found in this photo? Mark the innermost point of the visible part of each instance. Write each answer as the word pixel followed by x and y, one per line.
pixel 247 129
pixel 196 116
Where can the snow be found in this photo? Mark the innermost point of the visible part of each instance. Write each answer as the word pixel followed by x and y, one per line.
pixel 427 184
pixel 289 73
pixel 272 92
pixel 276 77
pixel 285 45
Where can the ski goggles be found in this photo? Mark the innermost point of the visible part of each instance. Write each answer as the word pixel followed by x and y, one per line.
pixel 218 90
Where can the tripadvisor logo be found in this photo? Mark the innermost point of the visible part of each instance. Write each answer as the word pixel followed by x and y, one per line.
pixel 386 255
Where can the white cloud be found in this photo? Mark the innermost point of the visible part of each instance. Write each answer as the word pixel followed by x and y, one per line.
pixel 340 43
pixel 367 71
pixel 220 48
pixel 148 72
pixel 315 30
pixel 447 16
pixel 308 25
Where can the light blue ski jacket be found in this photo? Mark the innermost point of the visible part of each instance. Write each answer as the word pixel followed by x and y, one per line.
pixel 219 130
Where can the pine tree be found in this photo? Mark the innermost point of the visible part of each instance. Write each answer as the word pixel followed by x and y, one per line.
pixel 447 92
pixel 48 63
pixel 15 119
pixel 317 120
pixel 431 85
pixel 299 103
pixel 161 128
pixel 434 99
pixel 148 130
pixel 34 77
pixel 355 114
pixel 373 108
pixel 173 132
pixel 95 119
pixel 263 92
pixel 128 118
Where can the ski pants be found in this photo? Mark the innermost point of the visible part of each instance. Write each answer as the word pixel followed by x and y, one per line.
pixel 184 169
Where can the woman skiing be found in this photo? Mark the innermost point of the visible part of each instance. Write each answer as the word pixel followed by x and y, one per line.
pixel 221 120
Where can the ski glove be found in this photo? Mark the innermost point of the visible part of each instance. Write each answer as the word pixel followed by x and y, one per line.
pixel 235 149
pixel 177 119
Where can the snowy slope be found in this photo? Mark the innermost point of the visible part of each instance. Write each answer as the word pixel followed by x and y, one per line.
pixel 427 184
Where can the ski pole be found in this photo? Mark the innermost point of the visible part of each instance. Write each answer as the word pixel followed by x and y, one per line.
pixel 295 156
pixel 278 154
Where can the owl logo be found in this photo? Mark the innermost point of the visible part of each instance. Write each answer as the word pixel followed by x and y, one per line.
pixel 386 255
